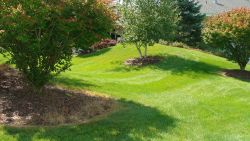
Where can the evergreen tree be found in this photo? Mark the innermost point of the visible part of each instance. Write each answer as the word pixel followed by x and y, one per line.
pixel 190 25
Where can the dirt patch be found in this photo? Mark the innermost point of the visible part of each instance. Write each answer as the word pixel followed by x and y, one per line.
pixel 56 106
pixel 237 74
pixel 143 61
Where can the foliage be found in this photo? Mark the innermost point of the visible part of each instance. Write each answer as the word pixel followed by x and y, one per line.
pixel 146 22
pixel 39 35
pixel 190 25
pixel 94 22
pixel 180 98
pixel 230 31
pixel 104 44
pixel 174 44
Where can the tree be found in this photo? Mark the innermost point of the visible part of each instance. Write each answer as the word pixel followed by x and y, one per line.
pixel 231 32
pixel 93 21
pixel 145 22
pixel 190 25
pixel 38 36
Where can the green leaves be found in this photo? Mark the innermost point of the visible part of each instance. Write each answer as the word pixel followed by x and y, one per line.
pixel 230 31
pixel 145 22
pixel 39 35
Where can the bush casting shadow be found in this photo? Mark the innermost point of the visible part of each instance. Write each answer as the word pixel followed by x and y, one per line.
pixel 134 122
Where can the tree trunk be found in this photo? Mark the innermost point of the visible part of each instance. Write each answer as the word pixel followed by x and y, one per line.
pixel 243 67
pixel 146 51
pixel 139 50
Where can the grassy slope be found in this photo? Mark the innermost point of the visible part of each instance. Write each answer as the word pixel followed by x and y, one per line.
pixel 2 59
pixel 181 98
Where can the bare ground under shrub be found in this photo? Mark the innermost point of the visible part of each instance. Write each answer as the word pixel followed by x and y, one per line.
pixel 56 106
pixel 143 61
pixel 237 74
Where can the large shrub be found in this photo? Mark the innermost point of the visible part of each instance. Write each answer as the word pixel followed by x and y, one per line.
pixel 231 32
pixel 190 25
pixel 38 35
pixel 145 22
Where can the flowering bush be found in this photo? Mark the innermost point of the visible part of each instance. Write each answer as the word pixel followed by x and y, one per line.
pixel 104 44
pixel 231 32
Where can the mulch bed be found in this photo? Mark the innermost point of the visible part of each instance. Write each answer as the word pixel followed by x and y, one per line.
pixel 143 61
pixel 19 106
pixel 237 74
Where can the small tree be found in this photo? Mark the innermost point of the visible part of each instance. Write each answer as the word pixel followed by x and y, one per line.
pixel 231 32
pixel 38 35
pixel 190 25
pixel 145 22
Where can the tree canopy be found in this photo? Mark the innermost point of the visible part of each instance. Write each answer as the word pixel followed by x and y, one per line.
pixel 38 36
pixel 230 31
pixel 145 22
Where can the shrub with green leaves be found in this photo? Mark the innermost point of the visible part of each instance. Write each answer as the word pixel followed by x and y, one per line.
pixel 145 22
pixel 38 35
pixel 231 32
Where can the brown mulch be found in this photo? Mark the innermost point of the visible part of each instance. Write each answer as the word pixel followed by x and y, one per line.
pixel 143 61
pixel 19 106
pixel 237 74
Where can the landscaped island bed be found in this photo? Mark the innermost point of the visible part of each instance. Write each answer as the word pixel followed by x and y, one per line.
pixel 22 106
pixel 182 97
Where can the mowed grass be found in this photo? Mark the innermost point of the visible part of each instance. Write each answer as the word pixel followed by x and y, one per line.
pixel 182 98
pixel 2 59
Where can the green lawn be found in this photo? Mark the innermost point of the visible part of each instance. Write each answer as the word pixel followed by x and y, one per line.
pixel 2 60
pixel 183 98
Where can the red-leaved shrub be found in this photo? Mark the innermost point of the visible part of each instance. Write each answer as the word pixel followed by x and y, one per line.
pixel 104 44
pixel 230 31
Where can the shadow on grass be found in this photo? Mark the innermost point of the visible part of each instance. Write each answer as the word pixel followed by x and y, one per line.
pixel 176 65
pixel 72 82
pixel 97 53
pixel 237 74
pixel 124 68
pixel 133 122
